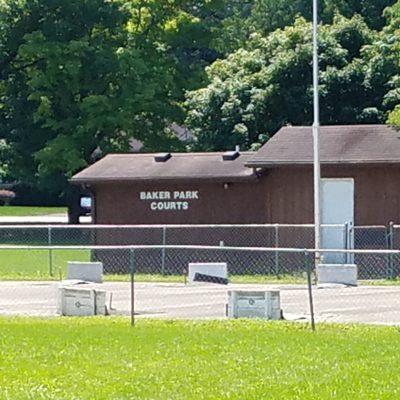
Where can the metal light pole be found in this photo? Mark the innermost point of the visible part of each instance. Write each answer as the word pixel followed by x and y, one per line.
pixel 315 130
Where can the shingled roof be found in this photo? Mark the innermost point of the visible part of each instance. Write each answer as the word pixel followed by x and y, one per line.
pixel 347 144
pixel 189 166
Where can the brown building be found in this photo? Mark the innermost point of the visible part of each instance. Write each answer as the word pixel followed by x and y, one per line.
pixel 178 188
pixel 368 154
pixel 274 185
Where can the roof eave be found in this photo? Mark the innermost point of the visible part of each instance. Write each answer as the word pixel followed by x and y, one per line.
pixel 244 178
pixel 263 164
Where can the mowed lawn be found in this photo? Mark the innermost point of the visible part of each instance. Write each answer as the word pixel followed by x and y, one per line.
pixel 105 358
pixel 30 211
pixel 38 264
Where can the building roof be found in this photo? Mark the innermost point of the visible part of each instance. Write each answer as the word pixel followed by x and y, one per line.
pixel 347 144
pixel 189 166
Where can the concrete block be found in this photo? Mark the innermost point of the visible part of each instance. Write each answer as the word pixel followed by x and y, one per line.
pixel 345 274
pixel 85 271
pixel 81 302
pixel 254 304
pixel 219 270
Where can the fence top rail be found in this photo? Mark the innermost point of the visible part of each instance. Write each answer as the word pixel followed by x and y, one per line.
pixel 158 226
pixel 199 247
pixel 370 227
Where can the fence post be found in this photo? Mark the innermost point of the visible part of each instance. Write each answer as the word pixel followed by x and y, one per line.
pixel 132 272
pixel 276 230
pixel 346 243
pixel 309 287
pixel 164 242
pixel 350 242
pixel 49 242
pixel 390 245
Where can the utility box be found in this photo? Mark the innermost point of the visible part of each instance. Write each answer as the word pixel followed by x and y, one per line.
pixel 85 271
pixel 254 304
pixel 218 270
pixel 81 302
pixel 345 274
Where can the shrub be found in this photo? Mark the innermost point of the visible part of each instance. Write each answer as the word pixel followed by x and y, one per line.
pixel 6 196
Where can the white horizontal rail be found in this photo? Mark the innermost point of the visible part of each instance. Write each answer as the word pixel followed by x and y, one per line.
pixel 370 227
pixel 86 227
pixel 198 247
pixel 147 247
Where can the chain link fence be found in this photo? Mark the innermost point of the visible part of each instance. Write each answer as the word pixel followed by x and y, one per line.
pixel 371 238
pixel 165 262
pixel 148 290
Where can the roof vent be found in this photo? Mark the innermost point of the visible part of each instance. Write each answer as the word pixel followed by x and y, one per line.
pixel 230 155
pixel 162 157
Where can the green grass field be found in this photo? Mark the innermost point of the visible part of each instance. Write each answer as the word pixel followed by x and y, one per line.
pixel 99 358
pixel 22 211
pixel 37 264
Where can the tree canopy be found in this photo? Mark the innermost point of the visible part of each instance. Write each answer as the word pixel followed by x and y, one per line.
pixel 265 16
pixel 85 77
pixel 257 89
pixel 79 75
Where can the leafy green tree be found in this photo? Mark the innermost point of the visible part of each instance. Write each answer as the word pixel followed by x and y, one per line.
pixel 83 75
pixel 77 76
pixel 4 171
pixel 59 66
pixel 383 63
pixel 256 90
pixel 245 18
pixel 394 117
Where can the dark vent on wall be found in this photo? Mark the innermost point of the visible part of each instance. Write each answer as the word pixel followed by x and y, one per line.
pixel 162 157
pixel 230 155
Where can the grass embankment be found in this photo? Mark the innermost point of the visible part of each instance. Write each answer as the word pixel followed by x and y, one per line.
pixel 99 358
pixel 27 211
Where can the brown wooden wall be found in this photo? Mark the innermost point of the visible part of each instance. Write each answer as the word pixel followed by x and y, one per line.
pixel 376 189
pixel 283 195
pixel 119 203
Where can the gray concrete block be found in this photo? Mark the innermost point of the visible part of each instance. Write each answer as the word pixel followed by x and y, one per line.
pixel 254 304
pixel 86 271
pixel 345 274
pixel 81 301
pixel 219 270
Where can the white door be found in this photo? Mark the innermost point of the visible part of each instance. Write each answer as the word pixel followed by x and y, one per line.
pixel 337 208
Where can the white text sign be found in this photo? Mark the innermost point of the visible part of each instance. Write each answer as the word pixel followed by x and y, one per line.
pixel 178 200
